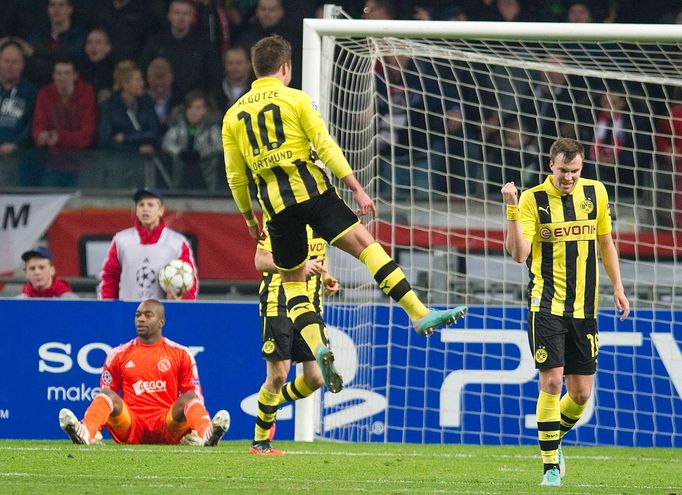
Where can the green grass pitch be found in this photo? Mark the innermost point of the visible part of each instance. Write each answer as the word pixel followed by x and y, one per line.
pixel 58 467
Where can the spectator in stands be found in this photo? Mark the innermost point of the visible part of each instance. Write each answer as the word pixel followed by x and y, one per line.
pixel 579 12
pixel 668 179
pixel 619 148
pixel 41 276
pixel 17 99
pixel 59 37
pixel 515 159
pixel 128 121
pixel 270 18
pixel 129 24
pixel 238 77
pixel 65 119
pixel 378 10
pixel 137 254
pixel 553 110
pixel 160 81
pixel 411 102
pixel 195 145
pixel 195 61
pixel 98 68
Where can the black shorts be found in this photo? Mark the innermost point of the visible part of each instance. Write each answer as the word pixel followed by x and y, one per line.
pixel 558 341
pixel 326 214
pixel 281 341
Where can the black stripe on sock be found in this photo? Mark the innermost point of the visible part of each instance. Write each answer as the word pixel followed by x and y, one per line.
pixel 285 394
pixel 568 420
pixel 294 390
pixel 308 318
pixel 385 271
pixel 548 425
pixel 291 303
pixel 400 289
pixel 263 424
pixel 267 409
pixel 546 445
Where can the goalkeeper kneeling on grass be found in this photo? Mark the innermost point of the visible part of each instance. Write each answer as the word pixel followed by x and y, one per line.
pixel 161 400
pixel 282 341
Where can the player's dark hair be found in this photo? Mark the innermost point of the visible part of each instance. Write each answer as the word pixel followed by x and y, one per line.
pixel 269 54
pixel 568 147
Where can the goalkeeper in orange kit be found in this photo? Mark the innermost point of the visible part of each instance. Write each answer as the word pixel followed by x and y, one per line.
pixel 161 400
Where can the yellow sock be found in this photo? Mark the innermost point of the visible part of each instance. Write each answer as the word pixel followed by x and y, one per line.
pixel 570 413
pixel 295 390
pixel 392 281
pixel 267 411
pixel 548 416
pixel 302 313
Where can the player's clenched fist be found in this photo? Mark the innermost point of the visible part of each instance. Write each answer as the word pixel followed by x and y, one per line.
pixel 510 194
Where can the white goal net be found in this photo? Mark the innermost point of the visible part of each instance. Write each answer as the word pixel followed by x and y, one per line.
pixel 434 118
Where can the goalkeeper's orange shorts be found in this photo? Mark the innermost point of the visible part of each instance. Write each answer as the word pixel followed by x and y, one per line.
pixel 156 427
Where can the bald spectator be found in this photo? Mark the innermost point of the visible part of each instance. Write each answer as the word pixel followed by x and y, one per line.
pixel 238 77
pixel 98 68
pixel 160 81
pixel 195 61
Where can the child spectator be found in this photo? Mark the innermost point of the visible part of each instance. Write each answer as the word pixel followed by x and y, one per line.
pixel 195 145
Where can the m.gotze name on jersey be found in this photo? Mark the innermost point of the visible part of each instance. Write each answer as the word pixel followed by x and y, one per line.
pixel 256 97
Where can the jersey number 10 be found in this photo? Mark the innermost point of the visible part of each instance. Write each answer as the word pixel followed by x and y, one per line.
pixel 264 130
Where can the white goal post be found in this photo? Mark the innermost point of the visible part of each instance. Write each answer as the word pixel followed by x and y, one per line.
pixel 434 117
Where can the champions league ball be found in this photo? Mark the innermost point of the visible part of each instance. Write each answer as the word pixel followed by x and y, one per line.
pixel 176 276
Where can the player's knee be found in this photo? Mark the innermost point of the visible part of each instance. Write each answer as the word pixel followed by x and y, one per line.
pixel 185 398
pixel 580 397
pixel 276 381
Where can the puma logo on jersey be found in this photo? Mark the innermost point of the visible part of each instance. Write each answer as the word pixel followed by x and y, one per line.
pixel 544 208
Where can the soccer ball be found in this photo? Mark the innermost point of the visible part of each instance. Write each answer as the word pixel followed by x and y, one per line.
pixel 176 276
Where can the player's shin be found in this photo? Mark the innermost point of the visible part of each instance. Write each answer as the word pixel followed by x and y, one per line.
pixel 302 314
pixel 97 413
pixel 294 390
pixel 392 281
pixel 267 412
pixel 548 416
pixel 571 412
pixel 197 416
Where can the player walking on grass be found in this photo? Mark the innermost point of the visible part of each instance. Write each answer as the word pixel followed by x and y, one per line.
pixel 275 132
pixel 161 399
pixel 558 228
pixel 282 342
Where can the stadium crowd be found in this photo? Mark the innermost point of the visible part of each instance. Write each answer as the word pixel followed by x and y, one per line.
pixel 152 78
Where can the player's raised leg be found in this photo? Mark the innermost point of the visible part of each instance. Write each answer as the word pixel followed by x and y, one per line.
pixel 359 242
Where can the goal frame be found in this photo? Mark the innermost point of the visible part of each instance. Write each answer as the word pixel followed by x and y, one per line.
pixel 315 50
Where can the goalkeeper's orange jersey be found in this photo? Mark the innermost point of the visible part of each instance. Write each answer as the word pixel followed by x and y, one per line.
pixel 150 377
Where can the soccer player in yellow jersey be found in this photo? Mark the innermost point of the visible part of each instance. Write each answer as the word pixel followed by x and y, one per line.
pixel 275 132
pixel 282 342
pixel 558 229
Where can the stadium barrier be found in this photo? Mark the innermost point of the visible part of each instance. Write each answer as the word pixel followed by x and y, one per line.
pixel 481 391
